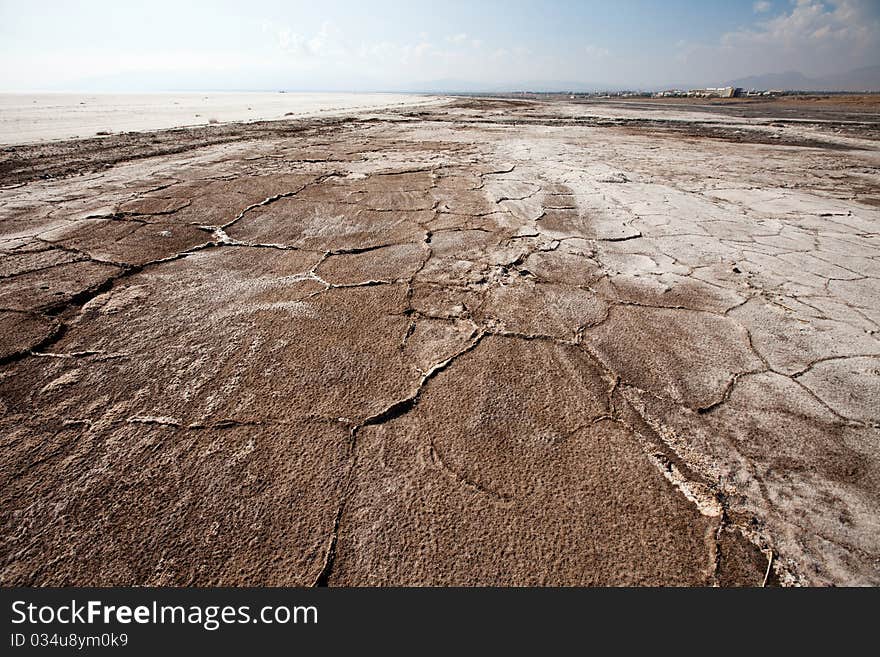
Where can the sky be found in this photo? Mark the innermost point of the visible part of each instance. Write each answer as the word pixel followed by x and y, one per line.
pixel 350 45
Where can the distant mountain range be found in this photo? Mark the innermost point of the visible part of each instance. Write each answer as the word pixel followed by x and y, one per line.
pixel 468 86
pixel 860 79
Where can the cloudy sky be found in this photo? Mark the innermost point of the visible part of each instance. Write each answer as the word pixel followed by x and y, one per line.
pixel 390 45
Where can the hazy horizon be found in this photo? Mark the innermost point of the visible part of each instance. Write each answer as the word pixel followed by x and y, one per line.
pixel 103 46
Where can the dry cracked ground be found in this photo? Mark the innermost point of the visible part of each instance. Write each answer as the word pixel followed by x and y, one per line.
pixel 487 343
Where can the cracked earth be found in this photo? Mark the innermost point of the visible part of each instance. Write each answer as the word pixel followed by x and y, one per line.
pixel 484 343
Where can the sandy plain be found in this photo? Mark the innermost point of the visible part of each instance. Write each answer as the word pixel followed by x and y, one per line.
pixel 483 342
pixel 26 118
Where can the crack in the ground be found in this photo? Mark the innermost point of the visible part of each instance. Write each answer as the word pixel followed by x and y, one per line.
pixel 491 268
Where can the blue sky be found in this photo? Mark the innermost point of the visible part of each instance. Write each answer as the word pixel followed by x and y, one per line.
pixel 341 45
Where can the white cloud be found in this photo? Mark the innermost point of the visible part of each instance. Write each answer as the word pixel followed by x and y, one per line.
pixel 331 47
pixel 595 52
pixel 327 42
pixel 809 24
pixel 422 48
pixel 761 7
pixel 810 36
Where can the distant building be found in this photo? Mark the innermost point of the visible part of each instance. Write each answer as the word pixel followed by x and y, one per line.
pixel 713 92
pixel 708 92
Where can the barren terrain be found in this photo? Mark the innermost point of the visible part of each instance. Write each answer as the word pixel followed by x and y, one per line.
pixel 27 118
pixel 489 342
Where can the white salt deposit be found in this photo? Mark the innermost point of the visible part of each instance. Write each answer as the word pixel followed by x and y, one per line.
pixel 26 118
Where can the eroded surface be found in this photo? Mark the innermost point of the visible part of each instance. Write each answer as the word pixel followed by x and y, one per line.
pixel 483 343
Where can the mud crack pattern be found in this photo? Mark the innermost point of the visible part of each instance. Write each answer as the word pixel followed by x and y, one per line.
pixel 493 342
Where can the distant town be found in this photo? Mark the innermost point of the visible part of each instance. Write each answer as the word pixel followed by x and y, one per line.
pixel 705 92
pixel 728 92
pixel 715 92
